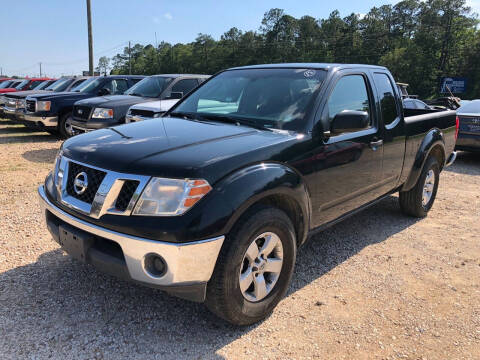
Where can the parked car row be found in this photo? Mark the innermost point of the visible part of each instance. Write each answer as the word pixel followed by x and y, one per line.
pixel 13 85
pixel 100 112
pixel 211 201
pixel 73 105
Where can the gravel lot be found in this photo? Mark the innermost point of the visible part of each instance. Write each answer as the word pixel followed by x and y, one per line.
pixel 377 286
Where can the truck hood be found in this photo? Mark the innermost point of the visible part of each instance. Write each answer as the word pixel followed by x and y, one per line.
pixel 156 106
pixel 111 101
pixel 66 95
pixel 176 148
pixel 24 94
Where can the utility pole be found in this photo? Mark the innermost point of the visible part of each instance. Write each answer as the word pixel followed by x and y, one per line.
pixel 40 68
pixel 90 39
pixel 129 59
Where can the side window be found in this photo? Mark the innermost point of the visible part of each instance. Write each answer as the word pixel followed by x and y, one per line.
pixel 386 93
pixel 116 86
pixel 350 93
pixel 78 82
pixel 121 86
pixel 134 81
pixel 33 85
pixel 185 86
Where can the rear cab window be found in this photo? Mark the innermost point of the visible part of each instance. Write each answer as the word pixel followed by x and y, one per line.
pixel 386 95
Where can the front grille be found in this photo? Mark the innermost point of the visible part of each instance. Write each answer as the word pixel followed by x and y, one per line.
pixel 95 178
pixel 138 112
pixel 126 193
pixel 30 105
pixel 81 112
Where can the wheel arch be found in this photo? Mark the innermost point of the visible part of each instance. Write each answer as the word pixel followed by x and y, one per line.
pixel 272 184
pixel 433 144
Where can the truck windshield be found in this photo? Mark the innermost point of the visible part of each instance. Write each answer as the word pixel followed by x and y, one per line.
pixel 267 98
pixel 42 85
pixel 59 85
pixel 88 85
pixel 5 84
pixel 152 87
pixel 22 84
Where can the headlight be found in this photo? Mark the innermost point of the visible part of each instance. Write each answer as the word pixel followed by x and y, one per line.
pixel 102 113
pixel 43 105
pixel 169 197
pixel 57 171
pixel 20 104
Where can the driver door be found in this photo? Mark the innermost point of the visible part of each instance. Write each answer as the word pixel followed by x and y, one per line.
pixel 347 169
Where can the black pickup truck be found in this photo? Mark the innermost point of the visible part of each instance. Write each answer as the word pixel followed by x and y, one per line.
pixel 15 101
pixel 50 112
pixel 211 202
pixel 105 111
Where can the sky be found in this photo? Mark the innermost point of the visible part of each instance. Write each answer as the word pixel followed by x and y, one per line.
pixel 54 32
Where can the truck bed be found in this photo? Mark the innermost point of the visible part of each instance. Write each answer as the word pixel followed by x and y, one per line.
pixel 418 123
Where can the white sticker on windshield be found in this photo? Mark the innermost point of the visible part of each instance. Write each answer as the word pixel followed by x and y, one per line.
pixel 309 73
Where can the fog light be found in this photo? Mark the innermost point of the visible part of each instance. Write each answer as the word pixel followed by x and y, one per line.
pixel 155 265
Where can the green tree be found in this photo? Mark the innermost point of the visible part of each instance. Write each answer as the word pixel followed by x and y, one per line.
pixel 103 65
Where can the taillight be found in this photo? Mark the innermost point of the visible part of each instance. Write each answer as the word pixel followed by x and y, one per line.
pixel 457 127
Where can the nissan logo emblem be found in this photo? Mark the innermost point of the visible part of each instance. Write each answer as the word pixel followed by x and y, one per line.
pixel 80 111
pixel 80 183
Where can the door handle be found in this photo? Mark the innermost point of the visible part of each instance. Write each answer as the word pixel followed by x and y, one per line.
pixel 375 144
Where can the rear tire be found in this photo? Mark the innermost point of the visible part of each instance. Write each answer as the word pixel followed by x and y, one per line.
pixel 268 277
pixel 419 200
pixel 63 126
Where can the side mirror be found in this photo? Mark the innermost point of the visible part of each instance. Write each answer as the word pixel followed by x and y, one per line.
pixel 349 121
pixel 103 91
pixel 176 95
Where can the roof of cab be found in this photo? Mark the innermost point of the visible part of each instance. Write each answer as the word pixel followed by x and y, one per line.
pixel 323 66
pixel 180 75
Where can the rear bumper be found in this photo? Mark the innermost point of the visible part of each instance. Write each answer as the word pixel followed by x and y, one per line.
pixel 451 159
pixel 43 121
pixel 189 265
pixel 468 142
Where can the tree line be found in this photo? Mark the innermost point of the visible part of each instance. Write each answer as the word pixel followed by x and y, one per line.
pixel 419 41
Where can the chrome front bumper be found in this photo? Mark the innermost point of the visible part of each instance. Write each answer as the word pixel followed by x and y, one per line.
pixel 188 263
pixel 9 110
pixel 47 121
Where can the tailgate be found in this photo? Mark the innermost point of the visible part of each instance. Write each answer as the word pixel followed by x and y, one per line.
pixel 469 124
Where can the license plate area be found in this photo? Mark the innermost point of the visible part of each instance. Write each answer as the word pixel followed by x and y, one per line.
pixel 75 242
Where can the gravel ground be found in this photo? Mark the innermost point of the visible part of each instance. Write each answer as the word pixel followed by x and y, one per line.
pixel 377 286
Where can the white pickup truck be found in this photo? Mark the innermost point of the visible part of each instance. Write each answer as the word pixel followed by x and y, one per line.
pixel 148 110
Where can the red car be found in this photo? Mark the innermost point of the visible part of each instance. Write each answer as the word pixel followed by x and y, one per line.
pixel 27 84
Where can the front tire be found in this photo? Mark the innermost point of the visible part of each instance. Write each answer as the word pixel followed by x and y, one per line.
pixel 254 268
pixel 419 200
pixel 64 128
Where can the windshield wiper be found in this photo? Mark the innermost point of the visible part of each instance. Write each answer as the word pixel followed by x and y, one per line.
pixel 135 94
pixel 235 120
pixel 185 115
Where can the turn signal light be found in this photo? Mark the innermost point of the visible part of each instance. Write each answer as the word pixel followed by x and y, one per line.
pixel 198 190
